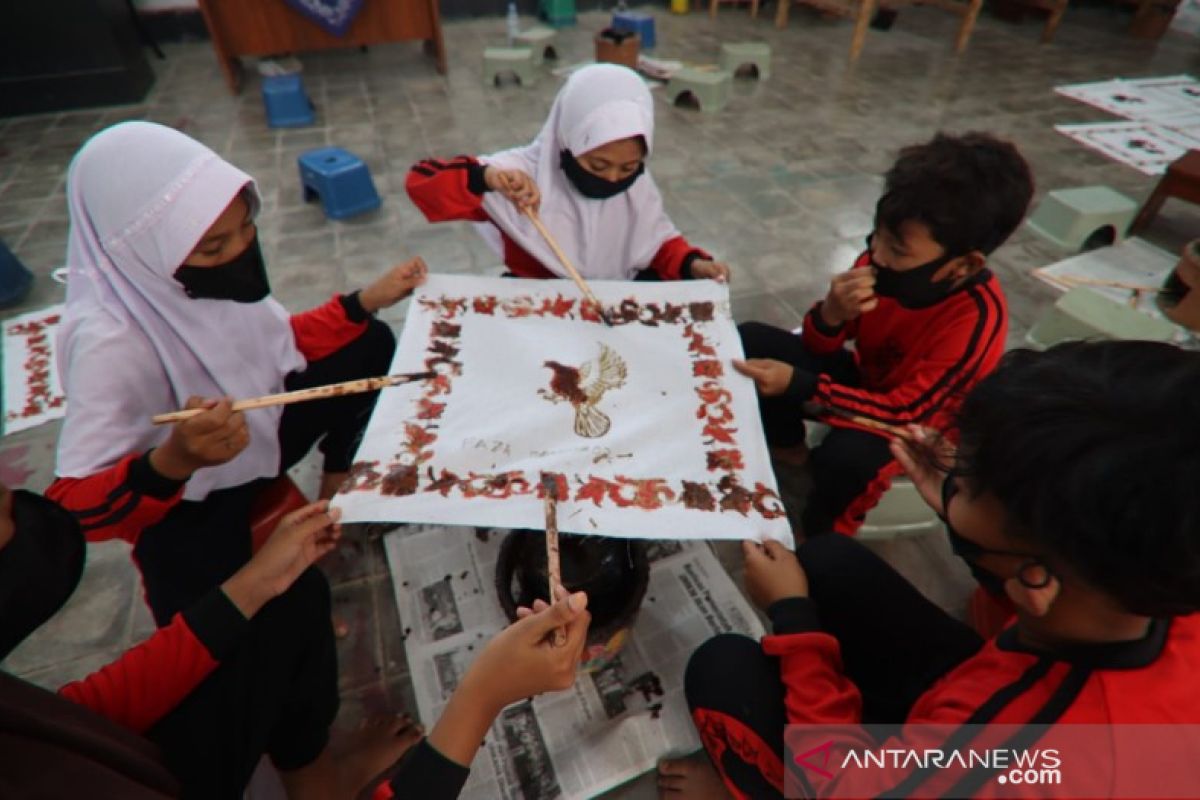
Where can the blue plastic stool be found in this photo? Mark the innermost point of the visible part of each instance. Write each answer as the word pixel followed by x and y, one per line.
pixel 15 280
pixel 340 179
pixel 286 102
pixel 640 23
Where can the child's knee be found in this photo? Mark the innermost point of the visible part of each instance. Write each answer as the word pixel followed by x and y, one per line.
pixel 306 605
pixel 825 555
pixel 380 344
pixel 846 461
pixel 755 337
pixel 721 659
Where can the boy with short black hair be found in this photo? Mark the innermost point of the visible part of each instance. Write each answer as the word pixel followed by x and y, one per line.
pixel 1071 494
pixel 926 317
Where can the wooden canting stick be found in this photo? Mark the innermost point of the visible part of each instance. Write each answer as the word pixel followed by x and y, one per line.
pixel 553 567
pixel 566 263
pixel 1080 280
pixel 304 395
pixel 891 430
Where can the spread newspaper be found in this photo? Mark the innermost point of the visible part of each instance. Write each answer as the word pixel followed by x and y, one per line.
pixel 615 723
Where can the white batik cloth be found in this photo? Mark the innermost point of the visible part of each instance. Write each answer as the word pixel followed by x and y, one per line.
pixel 652 435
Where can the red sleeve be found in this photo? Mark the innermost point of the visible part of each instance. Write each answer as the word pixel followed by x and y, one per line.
pixel 815 689
pixel 818 693
pixel 328 328
pixel 669 261
pixel 150 680
pixel 448 190
pixel 119 502
pixel 934 379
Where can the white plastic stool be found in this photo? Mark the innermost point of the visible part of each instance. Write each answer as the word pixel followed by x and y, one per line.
pixel 1085 314
pixel 1092 215
pixel 735 55
pixel 708 87
pixel 498 61
pixel 541 41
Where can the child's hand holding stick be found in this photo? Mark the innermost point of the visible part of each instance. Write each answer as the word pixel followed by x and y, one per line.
pixel 553 568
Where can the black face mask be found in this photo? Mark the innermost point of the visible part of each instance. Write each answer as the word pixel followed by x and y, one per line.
pixel 969 552
pixel 912 288
pixel 39 567
pixel 594 186
pixel 242 279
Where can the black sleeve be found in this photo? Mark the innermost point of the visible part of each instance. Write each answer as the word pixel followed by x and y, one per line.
pixel 475 182
pixel 817 321
pixel 802 386
pixel 216 622
pixel 793 615
pixel 352 305
pixel 142 478
pixel 426 774
pixel 685 269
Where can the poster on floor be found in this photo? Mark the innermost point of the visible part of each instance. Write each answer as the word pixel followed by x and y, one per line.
pixel 1163 114
pixel 1133 99
pixel 33 394
pixel 1147 148
pixel 643 428
pixel 1109 270
pixel 630 711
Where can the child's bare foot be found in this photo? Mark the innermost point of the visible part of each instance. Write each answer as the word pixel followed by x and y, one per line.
pixel 690 778
pixel 366 755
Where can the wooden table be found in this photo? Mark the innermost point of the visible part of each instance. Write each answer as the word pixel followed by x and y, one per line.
pixel 270 27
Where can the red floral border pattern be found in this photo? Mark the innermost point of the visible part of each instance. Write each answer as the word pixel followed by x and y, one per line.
pixel 37 365
pixel 411 471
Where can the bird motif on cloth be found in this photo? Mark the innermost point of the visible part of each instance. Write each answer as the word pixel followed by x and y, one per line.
pixel 584 386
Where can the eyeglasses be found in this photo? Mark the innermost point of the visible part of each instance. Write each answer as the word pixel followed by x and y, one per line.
pixel 969 550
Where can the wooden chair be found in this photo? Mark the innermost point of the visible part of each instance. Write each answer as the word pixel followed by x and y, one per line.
pixel 862 11
pixel 1182 180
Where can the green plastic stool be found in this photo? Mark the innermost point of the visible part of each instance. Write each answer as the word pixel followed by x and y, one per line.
pixel 516 60
pixel 557 13
pixel 736 55
pixel 710 88
pixel 1089 215
pixel 541 41
pixel 900 512
pixel 1083 313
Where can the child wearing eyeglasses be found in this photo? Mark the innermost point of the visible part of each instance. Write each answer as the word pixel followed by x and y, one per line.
pixel 1065 497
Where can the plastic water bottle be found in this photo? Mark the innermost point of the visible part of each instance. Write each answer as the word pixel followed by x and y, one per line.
pixel 514 24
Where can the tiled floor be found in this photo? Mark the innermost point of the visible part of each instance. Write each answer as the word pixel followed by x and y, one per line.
pixel 781 184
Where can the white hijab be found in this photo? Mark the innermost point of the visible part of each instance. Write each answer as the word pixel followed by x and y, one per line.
pixel 605 239
pixel 132 344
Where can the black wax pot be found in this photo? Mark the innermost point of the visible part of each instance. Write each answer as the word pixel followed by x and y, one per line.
pixel 613 572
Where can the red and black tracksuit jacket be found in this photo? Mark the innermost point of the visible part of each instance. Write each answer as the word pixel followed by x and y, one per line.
pixel 1148 681
pixel 453 190
pixel 128 497
pixel 915 367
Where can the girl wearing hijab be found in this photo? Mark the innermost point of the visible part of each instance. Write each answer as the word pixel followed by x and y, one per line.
pixel 168 305
pixel 241 672
pixel 586 174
